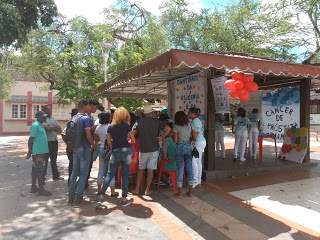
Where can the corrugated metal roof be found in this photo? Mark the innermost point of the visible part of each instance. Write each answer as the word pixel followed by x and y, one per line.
pixel 149 79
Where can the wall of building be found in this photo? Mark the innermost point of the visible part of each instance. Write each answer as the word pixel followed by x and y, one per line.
pixel 26 98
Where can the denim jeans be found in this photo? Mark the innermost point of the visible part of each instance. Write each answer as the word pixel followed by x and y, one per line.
pixel 81 162
pixel 103 166
pixel 123 156
pixel 183 153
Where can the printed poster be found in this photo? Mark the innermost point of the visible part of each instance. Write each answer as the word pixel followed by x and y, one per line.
pixel 189 92
pixel 221 95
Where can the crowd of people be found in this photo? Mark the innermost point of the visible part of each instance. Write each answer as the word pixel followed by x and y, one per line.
pixel 113 138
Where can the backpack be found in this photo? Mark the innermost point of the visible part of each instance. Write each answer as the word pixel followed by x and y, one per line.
pixel 74 133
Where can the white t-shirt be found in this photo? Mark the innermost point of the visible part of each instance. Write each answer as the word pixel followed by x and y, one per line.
pixel 102 131
pixel 97 122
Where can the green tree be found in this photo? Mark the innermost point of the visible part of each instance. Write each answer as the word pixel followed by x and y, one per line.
pixel 68 55
pixel 18 17
pixel 245 26
pixel 8 71
pixel 307 14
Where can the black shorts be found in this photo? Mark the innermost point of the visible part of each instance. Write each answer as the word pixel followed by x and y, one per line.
pixel 39 164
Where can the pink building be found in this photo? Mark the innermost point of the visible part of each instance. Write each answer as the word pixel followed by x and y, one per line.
pixel 26 98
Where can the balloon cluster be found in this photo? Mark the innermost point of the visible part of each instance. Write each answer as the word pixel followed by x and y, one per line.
pixel 298 139
pixel 241 85
pixel 285 96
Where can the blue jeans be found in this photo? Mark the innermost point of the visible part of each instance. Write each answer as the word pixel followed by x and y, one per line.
pixel 103 166
pixel 81 163
pixel 123 156
pixel 183 153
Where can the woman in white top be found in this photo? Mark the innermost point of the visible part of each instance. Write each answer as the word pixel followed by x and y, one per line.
pixel 241 127
pixel 199 143
pixel 100 137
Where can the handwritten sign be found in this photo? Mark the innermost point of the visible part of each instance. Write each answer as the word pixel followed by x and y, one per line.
pixel 221 95
pixel 189 92
pixel 277 118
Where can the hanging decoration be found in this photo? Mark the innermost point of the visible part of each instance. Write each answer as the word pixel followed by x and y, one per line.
pixel 284 96
pixel 241 85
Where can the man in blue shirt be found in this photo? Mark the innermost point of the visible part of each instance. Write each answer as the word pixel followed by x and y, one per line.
pixel 38 148
pixel 81 156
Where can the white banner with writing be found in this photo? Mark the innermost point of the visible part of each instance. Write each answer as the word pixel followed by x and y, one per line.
pixel 221 95
pixel 276 119
pixel 189 92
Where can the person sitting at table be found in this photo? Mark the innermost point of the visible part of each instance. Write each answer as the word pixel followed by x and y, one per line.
pixel 254 133
pixel 241 127
pixel 168 148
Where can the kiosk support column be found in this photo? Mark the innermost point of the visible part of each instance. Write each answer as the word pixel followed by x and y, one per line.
pixel 209 154
pixel 305 111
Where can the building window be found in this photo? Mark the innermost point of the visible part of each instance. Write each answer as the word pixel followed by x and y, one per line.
pixel 19 111
pixel 14 111
pixel 40 99
pixel 19 99
pixel 37 108
pixel 55 99
pixel 23 111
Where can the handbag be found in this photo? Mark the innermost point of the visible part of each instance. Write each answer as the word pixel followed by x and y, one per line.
pixel 195 152
pixel 107 151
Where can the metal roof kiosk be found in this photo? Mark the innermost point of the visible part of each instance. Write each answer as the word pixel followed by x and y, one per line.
pixel 151 80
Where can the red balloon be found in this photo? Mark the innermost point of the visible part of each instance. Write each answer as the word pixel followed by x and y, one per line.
pixel 245 98
pixel 229 84
pixel 248 78
pixel 239 84
pixel 234 93
pixel 243 93
pixel 251 86
pixel 237 75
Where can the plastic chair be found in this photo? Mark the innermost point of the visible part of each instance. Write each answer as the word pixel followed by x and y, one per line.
pixel 173 174
pixel 134 166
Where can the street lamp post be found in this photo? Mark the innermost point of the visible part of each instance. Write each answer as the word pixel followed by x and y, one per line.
pixel 105 56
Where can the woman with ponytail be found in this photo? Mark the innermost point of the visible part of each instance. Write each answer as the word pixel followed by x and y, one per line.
pixel 199 143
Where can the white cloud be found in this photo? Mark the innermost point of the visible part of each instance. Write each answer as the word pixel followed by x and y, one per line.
pixel 93 10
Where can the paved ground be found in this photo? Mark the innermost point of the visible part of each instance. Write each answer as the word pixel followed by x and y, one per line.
pixel 282 205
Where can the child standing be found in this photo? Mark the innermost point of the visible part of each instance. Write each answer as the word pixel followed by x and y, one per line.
pixel 241 127
pixel 254 133
pixel 219 135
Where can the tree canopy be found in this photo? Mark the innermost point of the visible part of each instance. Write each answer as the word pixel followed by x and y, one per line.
pixel 18 17
pixel 68 54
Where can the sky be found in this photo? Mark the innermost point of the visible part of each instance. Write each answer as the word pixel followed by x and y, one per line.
pixel 93 10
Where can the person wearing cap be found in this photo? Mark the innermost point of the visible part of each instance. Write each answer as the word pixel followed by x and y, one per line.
pixel 148 129
pixel 38 149
pixel 52 126
pixel 69 148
